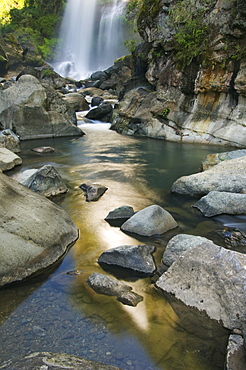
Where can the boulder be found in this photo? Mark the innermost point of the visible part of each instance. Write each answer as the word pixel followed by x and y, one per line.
pixel 93 191
pixel 76 101
pixel 137 259
pixel 33 110
pixel 178 245
pixel 152 220
pixel 119 215
pixel 228 176
pixel 8 159
pixel 96 101
pixel 236 354
pixel 216 203
pixel 9 140
pixel 35 232
pixel 46 181
pixel 44 74
pixel 103 112
pixel 103 284
pixel 212 159
pixel 212 279
pixel 54 361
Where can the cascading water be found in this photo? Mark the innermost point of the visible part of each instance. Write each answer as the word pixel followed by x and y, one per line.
pixel 91 37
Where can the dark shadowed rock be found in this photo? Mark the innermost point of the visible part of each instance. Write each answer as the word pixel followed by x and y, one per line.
pixel 150 221
pixel 46 181
pixel 119 215
pixel 136 258
pixel 103 284
pixel 93 191
pixel 96 101
pixel 218 202
pixel 48 360
pixel 104 110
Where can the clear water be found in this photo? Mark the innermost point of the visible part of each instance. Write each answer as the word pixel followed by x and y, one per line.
pixel 58 312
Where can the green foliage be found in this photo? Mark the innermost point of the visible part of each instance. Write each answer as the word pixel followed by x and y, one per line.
pixel 191 42
pixel 131 45
pixel 165 112
pixel 191 38
pixel 38 19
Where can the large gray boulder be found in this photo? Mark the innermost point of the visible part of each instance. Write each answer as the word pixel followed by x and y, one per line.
pixel 8 159
pixel 35 232
pixel 33 110
pixel 136 258
pixel 150 221
pixel 103 284
pixel 54 361
pixel 229 176
pixel 212 279
pixel 216 203
pixel 178 245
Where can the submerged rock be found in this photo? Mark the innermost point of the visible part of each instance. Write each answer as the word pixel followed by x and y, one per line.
pixel 48 360
pixel 228 176
pixel 136 258
pixel 216 203
pixel 46 181
pixel 212 279
pixel 43 149
pixel 119 215
pixel 93 191
pixel 152 220
pixel 35 232
pixel 103 284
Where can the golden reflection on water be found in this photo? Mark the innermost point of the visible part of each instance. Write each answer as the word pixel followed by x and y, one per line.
pixel 119 163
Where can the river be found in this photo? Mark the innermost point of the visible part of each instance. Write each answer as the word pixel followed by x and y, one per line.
pixel 56 311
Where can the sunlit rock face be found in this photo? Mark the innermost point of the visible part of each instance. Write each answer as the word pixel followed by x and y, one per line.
pixel 200 100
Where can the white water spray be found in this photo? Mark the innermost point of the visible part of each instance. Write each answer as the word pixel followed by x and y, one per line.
pixel 91 37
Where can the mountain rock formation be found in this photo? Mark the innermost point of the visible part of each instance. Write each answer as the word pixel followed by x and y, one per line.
pixel 196 67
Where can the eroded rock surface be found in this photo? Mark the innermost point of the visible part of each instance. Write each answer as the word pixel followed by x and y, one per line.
pixel 212 279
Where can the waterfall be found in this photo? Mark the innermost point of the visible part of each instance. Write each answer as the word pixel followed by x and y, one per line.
pixel 91 37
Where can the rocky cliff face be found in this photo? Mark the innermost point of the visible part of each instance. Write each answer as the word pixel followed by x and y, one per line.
pixel 197 69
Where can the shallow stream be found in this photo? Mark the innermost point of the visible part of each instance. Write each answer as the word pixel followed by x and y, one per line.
pixel 58 312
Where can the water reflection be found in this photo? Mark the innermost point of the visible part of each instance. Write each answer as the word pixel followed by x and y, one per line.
pixel 60 313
